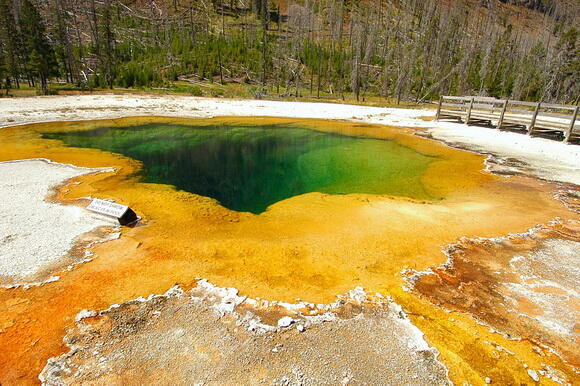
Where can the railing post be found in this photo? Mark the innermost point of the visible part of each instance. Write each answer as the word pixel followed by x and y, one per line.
pixel 568 133
pixel 469 111
pixel 534 116
pixel 439 107
pixel 500 122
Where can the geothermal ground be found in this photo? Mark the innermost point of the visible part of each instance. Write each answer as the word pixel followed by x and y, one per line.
pixel 320 289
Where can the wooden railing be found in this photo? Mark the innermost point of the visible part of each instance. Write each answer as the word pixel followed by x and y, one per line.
pixel 533 118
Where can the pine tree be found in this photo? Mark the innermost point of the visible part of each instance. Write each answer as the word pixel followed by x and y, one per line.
pixel 3 67
pixel 108 49
pixel 62 43
pixel 10 42
pixel 41 59
pixel 566 68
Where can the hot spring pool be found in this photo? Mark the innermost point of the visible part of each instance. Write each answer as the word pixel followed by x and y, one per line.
pixel 248 168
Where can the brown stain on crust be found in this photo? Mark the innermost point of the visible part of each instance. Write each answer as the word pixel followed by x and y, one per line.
pixel 478 278
pixel 311 246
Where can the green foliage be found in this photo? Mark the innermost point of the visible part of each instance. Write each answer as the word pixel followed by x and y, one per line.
pixel 97 81
pixel 258 92
pixel 3 71
pixel 137 75
pixel 41 60
pixel 567 70
pixel 412 51
pixel 109 57
pixel 195 91
pixel 10 46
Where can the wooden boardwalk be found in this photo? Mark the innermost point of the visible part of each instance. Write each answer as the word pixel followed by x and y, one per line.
pixel 546 119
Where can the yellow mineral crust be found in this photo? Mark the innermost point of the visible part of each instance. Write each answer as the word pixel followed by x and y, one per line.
pixel 311 247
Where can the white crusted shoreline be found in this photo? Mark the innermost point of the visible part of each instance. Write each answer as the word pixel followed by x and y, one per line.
pixel 544 158
pixel 34 232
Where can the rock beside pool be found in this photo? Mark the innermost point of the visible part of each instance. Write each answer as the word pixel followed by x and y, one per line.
pixel 286 321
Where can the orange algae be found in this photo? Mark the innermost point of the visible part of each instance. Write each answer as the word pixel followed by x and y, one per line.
pixel 311 247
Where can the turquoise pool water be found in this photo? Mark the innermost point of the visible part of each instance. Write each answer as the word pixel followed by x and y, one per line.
pixel 248 168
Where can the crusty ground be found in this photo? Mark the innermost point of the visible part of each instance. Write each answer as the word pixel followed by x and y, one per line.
pixel 181 340
pixel 524 286
pixel 34 232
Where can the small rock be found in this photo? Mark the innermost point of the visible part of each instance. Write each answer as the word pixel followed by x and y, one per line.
pixel 285 321
pixel 533 375
pixel 85 314
pixel 487 380
pixel 300 328
pixel 275 349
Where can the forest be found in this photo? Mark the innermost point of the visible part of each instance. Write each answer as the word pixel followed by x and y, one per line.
pixel 400 50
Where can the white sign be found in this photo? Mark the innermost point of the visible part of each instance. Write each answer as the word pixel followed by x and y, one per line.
pixel 107 207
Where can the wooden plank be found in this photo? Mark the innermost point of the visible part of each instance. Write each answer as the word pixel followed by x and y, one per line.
pixel 522 103
pixel 565 117
pixel 500 122
pixel 456 116
pixel 561 122
pixel 558 107
pixel 439 108
pixel 487 107
pixel 468 117
pixel 450 111
pixel 483 118
pixel 485 99
pixel 551 124
pixel 456 98
pixel 568 132
pixel 534 116
pixel 460 106
pixel 490 102
pixel 526 113
pixel 476 114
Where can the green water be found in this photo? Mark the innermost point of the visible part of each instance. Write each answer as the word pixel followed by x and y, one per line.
pixel 248 168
